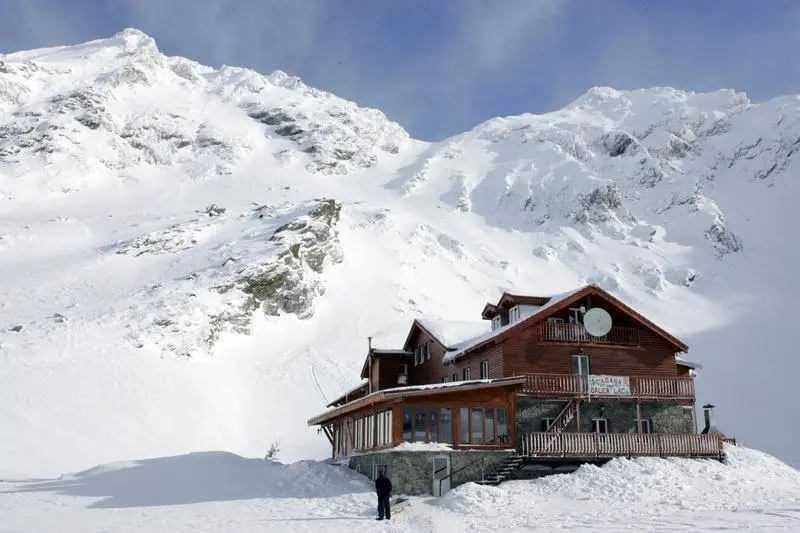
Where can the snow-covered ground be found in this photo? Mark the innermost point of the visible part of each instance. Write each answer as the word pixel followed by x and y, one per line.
pixel 192 259
pixel 215 491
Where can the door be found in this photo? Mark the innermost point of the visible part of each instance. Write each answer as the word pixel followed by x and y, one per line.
pixel 580 367
pixel 441 475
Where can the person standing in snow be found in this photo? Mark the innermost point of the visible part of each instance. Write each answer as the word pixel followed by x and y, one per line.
pixel 383 486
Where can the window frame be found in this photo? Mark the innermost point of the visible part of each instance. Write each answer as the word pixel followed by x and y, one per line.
pixel 465 374
pixel 595 422
pixel 485 365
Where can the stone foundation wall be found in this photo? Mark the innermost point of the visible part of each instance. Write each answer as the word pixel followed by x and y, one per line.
pixel 412 472
pixel 621 416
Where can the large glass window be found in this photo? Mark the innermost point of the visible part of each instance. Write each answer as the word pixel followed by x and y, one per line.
pixel 476 428
pixel 433 425
pixel 447 426
pixel 407 415
pixel 463 424
pixel 419 425
pixel 490 425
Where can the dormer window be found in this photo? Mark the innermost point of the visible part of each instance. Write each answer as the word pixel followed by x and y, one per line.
pixel 497 322
pixel 514 314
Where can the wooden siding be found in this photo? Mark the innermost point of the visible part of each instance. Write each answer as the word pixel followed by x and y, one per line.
pixel 493 354
pixel 524 353
pixel 389 368
pixel 430 371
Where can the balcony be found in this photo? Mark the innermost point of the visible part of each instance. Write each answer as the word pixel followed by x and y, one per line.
pixel 559 332
pixel 594 386
pixel 607 445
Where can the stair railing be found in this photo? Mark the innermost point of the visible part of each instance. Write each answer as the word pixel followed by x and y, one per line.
pixel 482 458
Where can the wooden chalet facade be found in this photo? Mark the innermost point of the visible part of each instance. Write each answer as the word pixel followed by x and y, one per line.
pixel 531 378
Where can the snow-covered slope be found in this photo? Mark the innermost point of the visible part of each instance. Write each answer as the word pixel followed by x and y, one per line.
pixel 192 259
pixel 215 491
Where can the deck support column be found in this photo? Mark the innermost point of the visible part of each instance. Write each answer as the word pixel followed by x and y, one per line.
pixel 578 415
pixel 638 417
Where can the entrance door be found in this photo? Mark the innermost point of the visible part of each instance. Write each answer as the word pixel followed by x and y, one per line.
pixel 441 473
pixel 580 367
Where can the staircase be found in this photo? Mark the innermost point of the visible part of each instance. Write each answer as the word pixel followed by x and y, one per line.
pixel 564 418
pixel 503 470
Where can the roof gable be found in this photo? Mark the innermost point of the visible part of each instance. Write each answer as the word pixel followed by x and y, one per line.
pixel 555 304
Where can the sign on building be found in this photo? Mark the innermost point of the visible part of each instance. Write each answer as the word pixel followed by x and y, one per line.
pixel 609 385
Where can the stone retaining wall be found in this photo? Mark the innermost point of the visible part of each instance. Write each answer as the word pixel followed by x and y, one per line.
pixel 411 472
pixel 664 417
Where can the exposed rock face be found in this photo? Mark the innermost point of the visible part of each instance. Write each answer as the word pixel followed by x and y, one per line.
pixel 290 282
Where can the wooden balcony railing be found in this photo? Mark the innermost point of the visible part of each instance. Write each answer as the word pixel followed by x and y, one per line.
pixel 582 386
pixel 577 333
pixel 604 445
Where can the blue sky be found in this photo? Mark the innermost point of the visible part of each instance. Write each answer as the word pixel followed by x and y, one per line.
pixel 442 67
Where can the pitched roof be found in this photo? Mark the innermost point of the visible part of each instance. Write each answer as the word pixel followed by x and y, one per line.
pixel 492 334
pixel 450 333
pixel 356 391
pixel 555 303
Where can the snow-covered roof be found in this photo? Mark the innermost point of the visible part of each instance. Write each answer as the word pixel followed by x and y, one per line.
pixel 489 335
pixel 684 362
pixel 452 333
pixel 389 351
pixel 413 390
pixel 348 393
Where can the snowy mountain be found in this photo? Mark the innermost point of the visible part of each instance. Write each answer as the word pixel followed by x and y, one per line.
pixel 192 259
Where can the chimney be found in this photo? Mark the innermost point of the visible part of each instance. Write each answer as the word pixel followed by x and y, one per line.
pixel 369 343
pixel 708 414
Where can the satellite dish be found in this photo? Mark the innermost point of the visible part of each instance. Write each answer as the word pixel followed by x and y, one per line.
pixel 597 321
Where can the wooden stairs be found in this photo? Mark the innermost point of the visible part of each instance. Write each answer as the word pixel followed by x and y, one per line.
pixel 502 471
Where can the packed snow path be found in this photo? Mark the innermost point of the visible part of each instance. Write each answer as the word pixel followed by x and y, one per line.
pixel 215 491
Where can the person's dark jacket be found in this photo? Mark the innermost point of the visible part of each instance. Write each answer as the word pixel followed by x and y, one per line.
pixel 383 486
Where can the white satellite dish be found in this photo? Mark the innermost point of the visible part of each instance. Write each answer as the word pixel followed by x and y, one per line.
pixel 597 321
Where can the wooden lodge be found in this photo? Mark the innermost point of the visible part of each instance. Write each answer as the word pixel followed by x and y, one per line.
pixel 578 376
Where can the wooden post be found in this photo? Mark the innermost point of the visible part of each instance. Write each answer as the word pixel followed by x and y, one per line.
pixel 638 417
pixel 578 415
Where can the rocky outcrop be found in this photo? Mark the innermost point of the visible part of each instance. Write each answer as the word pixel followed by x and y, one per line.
pixel 290 282
pixel 338 140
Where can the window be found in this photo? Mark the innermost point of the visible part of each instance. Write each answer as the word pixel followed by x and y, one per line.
pixel 484 369
pixel 576 314
pixel 553 320
pixel 646 428
pixel 501 426
pixel 547 422
pixel 463 425
pixel 483 426
pixel 433 425
pixel 447 425
pixel 444 379
pixel 580 364
pixel 428 351
pixel 407 434
pixel 426 424
pixel 465 374
pixel 599 425
pixel 419 425
pixel 513 314
pixel 402 369
pixel 497 322
pixel 455 377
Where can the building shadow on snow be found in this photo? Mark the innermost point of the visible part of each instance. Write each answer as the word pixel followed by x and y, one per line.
pixel 201 477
